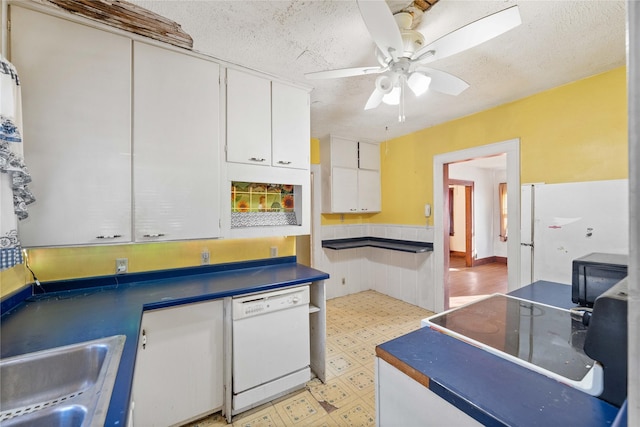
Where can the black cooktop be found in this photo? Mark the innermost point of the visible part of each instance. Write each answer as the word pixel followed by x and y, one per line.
pixel 532 334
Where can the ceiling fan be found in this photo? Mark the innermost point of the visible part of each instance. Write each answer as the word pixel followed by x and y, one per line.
pixel 402 53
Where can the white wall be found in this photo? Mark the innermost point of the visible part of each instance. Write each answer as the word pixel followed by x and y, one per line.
pixel 483 205
pixel 499 247
pixel 402 275
pixel 458 241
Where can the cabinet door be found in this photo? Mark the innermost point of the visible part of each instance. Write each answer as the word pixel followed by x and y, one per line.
pixel 369 191
pixel 344 153
pixel 248 118
pixel 344 190
pixel 176 145
pixel 178 372
pixel 290 126
pixel 76 115
pixel 368 156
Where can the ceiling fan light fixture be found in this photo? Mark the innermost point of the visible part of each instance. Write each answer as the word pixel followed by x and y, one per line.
pixel 384 84
pixel 419 83
pixel 393 97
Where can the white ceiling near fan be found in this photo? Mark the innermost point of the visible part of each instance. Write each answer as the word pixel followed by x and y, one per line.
pixel 557 43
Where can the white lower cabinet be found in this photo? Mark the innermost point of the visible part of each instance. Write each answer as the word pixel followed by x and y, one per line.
pixel 179 365
pixel 402 401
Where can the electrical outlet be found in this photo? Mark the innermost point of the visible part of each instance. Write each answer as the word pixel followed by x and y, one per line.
pixel 122 265
pixel 205 257
pixel 273 251
pixel 344 281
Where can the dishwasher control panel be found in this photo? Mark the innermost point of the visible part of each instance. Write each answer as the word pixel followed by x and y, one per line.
pixel 267 302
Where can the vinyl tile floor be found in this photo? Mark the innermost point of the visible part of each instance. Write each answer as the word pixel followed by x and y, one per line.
pixel 355 325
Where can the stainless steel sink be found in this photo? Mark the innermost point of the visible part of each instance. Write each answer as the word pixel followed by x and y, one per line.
pixel 63 386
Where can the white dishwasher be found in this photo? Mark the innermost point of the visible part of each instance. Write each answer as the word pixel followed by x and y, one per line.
pixel 270 345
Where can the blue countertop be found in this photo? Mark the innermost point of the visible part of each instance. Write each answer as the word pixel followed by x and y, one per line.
pixel 70 316
pixel 490 389
pixel 378 242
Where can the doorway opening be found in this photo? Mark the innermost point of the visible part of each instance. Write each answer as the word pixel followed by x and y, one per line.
pixel 477 266
pixel 460 207
pixel 481 251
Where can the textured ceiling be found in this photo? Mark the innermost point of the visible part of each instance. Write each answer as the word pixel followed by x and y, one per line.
pixel 557 43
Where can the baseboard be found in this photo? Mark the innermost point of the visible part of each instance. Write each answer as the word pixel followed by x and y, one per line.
pixel 482 261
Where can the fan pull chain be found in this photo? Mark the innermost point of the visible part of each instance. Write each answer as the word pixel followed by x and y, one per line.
pixel 401 116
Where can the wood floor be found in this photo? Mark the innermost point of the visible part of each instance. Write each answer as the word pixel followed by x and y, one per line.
pixel 467 283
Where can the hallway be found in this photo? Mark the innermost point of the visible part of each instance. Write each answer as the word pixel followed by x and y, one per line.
pixel 468 283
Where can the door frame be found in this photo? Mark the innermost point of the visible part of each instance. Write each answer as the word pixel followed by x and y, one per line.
pixel 468 218
pixel 440 190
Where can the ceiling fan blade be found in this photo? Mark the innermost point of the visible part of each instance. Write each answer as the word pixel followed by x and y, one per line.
pixel 374 100
pixel 444 82
pixel 470 35
pixel 383 28
pixel 345 72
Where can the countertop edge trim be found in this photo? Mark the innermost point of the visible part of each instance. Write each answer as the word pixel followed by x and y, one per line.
pixel 466 406
pixel 210 297
pixel 403 367
pixel 144 276
pixel 378 242
pixel 9 302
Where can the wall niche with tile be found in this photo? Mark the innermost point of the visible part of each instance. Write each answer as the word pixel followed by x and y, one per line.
pixel 257 204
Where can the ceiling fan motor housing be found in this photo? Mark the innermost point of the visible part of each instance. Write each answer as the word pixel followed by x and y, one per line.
pixel 412 40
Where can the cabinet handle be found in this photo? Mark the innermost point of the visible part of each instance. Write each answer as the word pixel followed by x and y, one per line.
pixel 112 236
pixel 283 162
pixel 153 235
pixel 353 210
pixel 256 159
pixel 144 339
pixel 364 209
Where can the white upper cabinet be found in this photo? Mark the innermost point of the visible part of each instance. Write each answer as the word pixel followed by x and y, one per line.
pixel 89 96
pixel 369 191
pixel 291 124
pixel 76 98
pixel 248 118
pixel 341 152
pixel 176 149
pixel 268 123
pixel 350 176
pixel 343 197
pixel 368 156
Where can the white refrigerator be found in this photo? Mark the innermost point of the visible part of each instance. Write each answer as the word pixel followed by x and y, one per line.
pixel 562 222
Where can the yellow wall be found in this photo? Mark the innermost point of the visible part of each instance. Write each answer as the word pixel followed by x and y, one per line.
pixel 576 132
pixel 573 133
pixel 13 279
pixel 315 151
pixel 88 261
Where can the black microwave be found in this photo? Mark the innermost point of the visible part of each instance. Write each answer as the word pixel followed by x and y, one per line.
pixel 595 273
